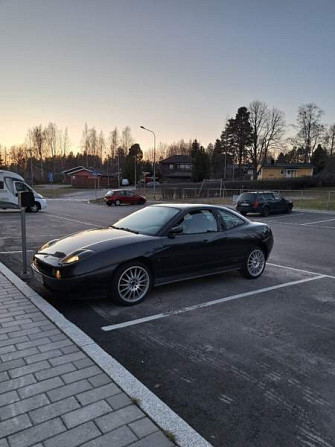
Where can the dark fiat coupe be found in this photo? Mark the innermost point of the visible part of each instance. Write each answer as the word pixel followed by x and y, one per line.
pixel 156 245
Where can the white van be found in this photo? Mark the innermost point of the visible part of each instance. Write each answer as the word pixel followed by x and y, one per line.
pixel 10 186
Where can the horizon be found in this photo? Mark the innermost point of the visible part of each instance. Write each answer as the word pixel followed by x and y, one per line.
pixel 179 68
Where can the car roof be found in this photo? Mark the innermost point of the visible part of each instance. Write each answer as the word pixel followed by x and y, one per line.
pixel 192 206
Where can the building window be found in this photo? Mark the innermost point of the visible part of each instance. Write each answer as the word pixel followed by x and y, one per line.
pixel 171 167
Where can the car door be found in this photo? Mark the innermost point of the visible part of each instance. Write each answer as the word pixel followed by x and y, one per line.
pixel 194 250
pixel 131 197
pixel 280 203
pixel 233 244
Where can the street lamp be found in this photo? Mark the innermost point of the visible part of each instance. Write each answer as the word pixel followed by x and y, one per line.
pixel 142 127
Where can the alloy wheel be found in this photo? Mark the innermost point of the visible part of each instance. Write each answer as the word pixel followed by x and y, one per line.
pixel 256 262
pixel 133 284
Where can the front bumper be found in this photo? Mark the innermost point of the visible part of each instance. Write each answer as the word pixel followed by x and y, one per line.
pixel 93 280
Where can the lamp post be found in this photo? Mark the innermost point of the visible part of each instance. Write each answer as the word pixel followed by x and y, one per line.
pixel 142 127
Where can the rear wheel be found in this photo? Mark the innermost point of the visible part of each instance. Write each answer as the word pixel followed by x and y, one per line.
pixel 244 213
pixel 131 283
pixel 265 211
pixel 117 202
pixel 254 263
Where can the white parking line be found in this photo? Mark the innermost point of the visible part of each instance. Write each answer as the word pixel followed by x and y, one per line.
pixel 208 304
pixel 30 236
pixel 12 252
pixel 319 221
pixel 299 270
pixel 74 220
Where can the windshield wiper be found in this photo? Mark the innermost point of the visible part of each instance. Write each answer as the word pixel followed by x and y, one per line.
pixel 125 229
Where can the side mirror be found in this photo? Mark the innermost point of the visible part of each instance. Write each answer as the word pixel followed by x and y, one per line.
pixel 175 230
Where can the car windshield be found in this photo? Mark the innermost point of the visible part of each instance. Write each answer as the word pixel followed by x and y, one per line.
pixel 149 220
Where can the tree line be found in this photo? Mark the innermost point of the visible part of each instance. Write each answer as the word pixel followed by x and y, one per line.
pixel 255 135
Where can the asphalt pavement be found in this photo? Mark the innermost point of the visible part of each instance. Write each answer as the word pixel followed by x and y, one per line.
pixel 251 363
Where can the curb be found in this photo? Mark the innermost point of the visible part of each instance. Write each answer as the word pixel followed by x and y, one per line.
pixel 155 408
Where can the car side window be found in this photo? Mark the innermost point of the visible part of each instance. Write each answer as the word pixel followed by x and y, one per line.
pixel 261 198
pixel 21 187
pixel 200 221
pixel 269 197
pixel 277 196
pixel 230 220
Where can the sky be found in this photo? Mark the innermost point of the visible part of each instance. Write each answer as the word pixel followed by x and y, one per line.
pixel 178 67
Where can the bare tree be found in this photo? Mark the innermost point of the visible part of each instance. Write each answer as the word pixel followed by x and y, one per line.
pixel 180 147
pixel 38 139
pixel 113 142
pixel 268 128
pixel 50 135
pixel 85 143
pixel 331 139
pixel 101 146
pixel 310 129
pixel 126 139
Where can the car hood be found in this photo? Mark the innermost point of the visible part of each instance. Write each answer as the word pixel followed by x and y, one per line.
pixel 97 240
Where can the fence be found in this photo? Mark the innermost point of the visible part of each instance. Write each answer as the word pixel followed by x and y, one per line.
pixel 313 198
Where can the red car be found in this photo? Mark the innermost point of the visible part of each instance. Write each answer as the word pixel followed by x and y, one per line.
pixel 119 196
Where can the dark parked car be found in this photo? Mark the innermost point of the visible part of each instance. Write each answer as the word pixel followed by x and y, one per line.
pixel 156 245
pixel 119 196
pixel 263 203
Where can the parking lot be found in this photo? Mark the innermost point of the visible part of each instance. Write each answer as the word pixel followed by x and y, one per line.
pixel 245 363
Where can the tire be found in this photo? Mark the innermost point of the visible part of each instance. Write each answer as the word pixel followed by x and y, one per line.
pixel 109 203
pixel 254 263
pixel 34 209
pixel 289 209
pixel 243 213
pixel 265 211
pixel 117 202
pixel 141 202
pixel 131 283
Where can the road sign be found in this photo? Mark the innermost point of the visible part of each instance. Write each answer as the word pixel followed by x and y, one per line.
pixel 50 177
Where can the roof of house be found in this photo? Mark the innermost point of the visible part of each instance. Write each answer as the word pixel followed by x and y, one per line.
pixel 288 165
pixel 77 168
pixel 177 159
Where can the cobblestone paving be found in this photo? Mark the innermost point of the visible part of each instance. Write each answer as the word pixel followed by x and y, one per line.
pixel 52 394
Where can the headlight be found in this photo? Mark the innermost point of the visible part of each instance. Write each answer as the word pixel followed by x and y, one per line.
pixel 76 256
pixel 48 244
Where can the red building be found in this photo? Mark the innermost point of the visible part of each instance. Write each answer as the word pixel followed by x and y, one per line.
pixel 81 177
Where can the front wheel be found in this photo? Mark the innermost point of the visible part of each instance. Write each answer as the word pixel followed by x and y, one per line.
pixel 265 211
pixel 289 209
pixel 131 283
pixel 254 263
pixel 34 209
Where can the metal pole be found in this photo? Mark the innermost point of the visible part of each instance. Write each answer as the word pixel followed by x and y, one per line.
pixel 154 166
pixel 118 167
pixel 24 241
pixel 154 169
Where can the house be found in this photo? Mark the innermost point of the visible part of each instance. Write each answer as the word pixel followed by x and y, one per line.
pixel 81 177
pixel 177 168
pixel 275 171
